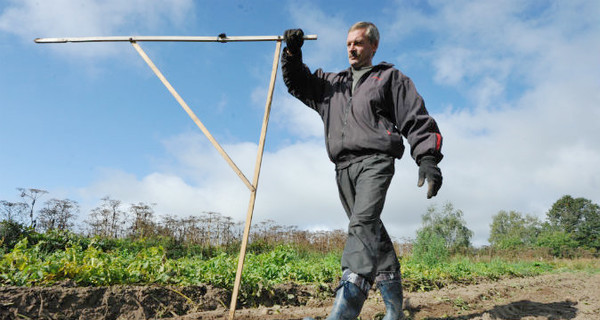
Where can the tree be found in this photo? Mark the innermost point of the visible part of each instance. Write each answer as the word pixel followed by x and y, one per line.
pixel 228 236
pixel 577 217
pixel 511 230
pixel 32 194
pixel 58 214
pixel 211 227
pixel 107 219
pixel 168 226
pixel 448 224
pixel 143 224
pixel 13 211
pixel 560 243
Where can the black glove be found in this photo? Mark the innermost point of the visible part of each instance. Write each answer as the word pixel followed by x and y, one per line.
pixel 294 39
pixel 429 170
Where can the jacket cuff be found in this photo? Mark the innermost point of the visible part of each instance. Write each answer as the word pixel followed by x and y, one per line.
pixel 289 56
pixel 428 158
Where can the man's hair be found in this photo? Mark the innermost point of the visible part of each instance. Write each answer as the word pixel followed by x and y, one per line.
pixel 371 30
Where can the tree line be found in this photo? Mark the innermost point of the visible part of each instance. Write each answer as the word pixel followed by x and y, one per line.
pixel 114 219
pixel 571 224
pixel 571 228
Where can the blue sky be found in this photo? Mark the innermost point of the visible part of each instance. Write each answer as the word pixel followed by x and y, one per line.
pixel 514 86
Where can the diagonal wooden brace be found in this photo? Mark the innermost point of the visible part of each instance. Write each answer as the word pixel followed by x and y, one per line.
pixel 192 115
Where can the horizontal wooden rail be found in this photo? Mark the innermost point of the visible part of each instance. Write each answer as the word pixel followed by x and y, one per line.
pixel 220 38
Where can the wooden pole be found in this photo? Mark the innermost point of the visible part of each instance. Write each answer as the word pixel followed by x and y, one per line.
pixel 261 147
pixel 223 38
pixel 192 115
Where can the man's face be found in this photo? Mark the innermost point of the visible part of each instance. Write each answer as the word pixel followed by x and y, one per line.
pixel 360 49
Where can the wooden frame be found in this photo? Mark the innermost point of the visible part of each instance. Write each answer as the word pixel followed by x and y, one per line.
pixel 252 186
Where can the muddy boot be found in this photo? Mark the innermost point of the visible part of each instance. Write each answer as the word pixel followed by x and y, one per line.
pixel 391 292
pixel 350 297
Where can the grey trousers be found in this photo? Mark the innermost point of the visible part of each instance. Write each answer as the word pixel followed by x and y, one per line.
pixel 369 251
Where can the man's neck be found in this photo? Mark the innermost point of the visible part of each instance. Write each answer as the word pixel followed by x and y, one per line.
pixel 358 73
pixel 362 68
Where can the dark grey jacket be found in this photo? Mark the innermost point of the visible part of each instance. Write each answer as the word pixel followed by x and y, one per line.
pixel 384 107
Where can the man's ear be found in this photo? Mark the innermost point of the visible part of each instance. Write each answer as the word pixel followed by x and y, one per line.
pixel 375 49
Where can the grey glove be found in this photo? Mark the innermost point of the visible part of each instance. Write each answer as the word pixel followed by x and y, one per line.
pixel 294 39
pixel 429 170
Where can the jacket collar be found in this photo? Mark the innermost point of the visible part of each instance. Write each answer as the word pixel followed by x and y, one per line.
pixel 381 66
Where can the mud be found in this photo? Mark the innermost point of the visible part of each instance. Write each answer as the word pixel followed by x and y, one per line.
pixel 548 297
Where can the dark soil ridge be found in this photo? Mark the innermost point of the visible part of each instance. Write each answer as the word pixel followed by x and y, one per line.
pixel 67 301
pixel 564 296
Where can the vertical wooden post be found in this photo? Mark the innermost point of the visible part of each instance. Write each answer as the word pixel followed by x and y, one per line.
pixel 261 147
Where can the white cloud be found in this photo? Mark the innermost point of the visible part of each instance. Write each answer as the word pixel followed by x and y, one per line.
pixel 296 185
pixel 329 50
pixel 530 133
pixel 297 118
pixel 31 19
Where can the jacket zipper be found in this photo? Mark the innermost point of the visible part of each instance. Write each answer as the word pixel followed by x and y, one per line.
pixel 349 105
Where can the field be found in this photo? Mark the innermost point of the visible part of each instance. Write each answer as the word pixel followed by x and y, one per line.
pixel 91 279
pixel 565 295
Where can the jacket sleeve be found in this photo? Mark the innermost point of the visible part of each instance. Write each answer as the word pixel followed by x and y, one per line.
pixel 301 83
pixel 414 122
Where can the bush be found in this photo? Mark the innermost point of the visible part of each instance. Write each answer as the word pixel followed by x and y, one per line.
pixel 430 248
pixel 12 232
pixel 560 243
pixel 56 240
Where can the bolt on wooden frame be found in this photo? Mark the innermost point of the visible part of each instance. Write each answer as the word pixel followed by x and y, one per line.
pixel 252 186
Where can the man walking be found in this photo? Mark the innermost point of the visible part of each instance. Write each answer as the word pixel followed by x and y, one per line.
pixel 366 111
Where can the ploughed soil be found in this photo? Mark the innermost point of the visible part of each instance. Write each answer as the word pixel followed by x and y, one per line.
pixel 552 297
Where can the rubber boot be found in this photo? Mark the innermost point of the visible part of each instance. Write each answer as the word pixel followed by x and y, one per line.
pixel 349 300
pixel 391 292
